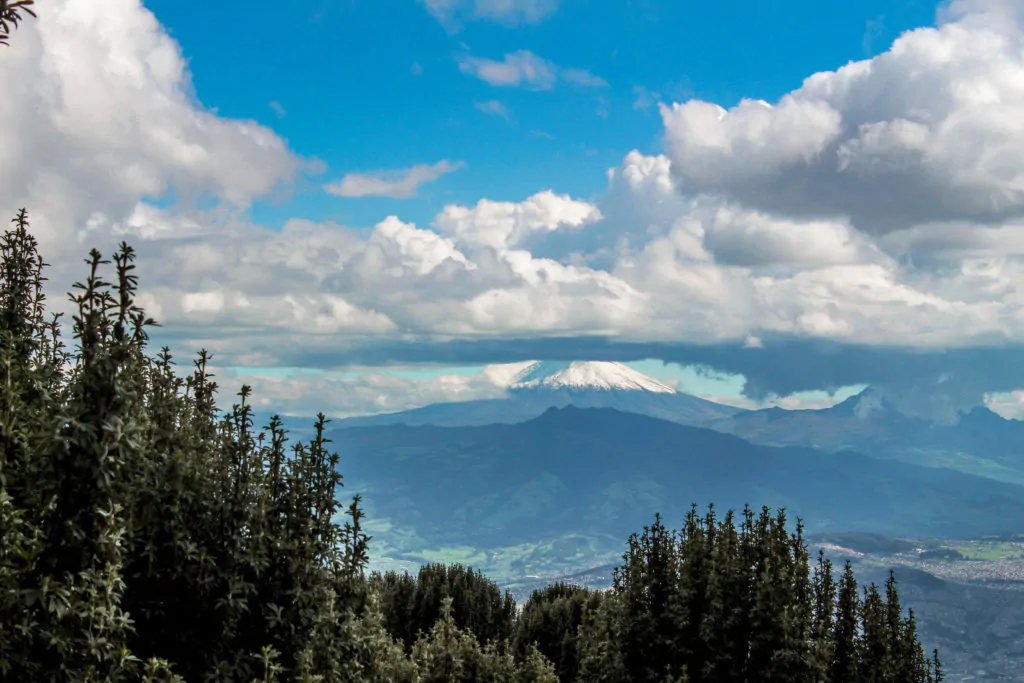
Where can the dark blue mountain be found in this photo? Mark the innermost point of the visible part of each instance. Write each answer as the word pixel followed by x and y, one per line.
pixel 606 472
pixel 977 442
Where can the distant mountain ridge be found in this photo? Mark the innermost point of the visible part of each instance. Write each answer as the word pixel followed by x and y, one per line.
pixel 979 442
pixel 606 472
pixel 533 388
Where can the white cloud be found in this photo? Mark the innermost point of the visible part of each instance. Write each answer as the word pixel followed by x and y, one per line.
pixel 345 394
pixel 419 250
pixel 400 184
pixel 98 111
pixel 645 99
pixel 493 108
pixel 452 13
pixel 523 69
pixel 1009 404
pixel 518 69
pixel 742 237
pixel 514 11
pixel 583 78
pixel 504 225
pixel 930 131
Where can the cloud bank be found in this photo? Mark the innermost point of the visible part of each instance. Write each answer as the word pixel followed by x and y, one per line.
pixel 866 228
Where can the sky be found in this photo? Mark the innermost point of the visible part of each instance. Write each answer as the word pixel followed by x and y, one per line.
pixel 360 205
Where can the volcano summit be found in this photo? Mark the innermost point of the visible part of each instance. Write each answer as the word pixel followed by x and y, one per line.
pixel 534 387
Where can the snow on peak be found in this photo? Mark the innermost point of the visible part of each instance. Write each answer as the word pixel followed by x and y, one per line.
pixel 601 375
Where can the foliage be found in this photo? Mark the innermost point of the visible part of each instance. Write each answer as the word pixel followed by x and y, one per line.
pixel 449 654
pixel 550 621
pixel 414 604
pixel 10 16
pixel 716 603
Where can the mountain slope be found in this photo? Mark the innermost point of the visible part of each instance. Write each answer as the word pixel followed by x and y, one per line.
pixel 604 472
pixel 535 387
pixel 981 442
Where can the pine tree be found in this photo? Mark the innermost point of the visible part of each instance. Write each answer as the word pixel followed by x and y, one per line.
pixel 822 636
pixel 763 614
pixel 550 620
pixel 600 645
pixel 843 667
pixel 414 603
pixel 718 629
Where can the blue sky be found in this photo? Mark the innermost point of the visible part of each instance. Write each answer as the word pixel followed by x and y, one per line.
pixel 799 196
pixel 369 85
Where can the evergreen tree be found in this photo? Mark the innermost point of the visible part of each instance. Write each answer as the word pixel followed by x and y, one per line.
pixel 843 667
pixel 413 604
pixel 822 637
pixel 550 620
pixel 600 645
pixel 763 615
pixel 449 654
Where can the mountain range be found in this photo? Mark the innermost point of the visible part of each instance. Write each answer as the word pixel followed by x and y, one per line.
pixel 979 442
pixel 585 470
pixel 579 455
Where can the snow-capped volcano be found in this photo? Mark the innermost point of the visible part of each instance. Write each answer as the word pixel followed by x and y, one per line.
pixel 534 387
pixel 586 375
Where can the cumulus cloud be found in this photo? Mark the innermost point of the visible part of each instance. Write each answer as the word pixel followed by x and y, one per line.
pixel 503 225
pixel 400 184
pixel 98 111
pixel 793 304
pixel 523 69
pixel 748 238
pixel 930 131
